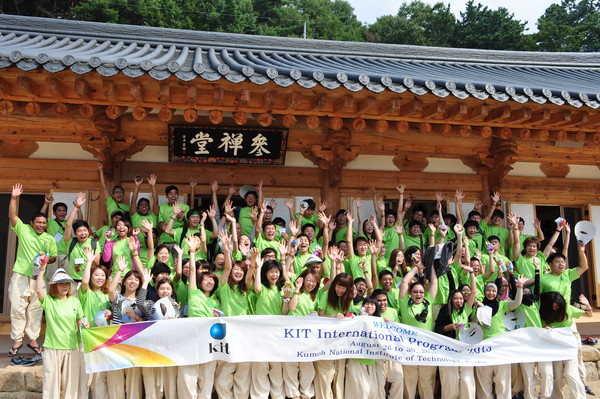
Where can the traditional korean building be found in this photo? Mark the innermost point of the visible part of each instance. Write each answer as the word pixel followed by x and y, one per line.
pixel 344 116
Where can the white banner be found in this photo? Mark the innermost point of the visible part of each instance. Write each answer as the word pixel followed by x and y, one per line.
pixel 304 339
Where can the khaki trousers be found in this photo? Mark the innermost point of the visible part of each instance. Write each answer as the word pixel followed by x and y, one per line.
pixel 233 380
pixel 298 379
pixel 389 371
pixel 421 378
pixel 329 379
pixel 196 381
pixel 25 309
pixel 498 375
pixel 61 373
pixel 361 381
pixel 267 378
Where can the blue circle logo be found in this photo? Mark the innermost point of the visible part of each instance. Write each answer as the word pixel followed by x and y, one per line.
pixel 218 330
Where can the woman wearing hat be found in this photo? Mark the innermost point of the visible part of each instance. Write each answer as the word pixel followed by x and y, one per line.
pixel 61 355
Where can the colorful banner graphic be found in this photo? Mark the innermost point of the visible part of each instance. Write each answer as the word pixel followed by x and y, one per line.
pixel 303 339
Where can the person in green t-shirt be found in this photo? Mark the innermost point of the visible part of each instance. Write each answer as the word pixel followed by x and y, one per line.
pixel 145 210
pixel 56 228
pixel 35 245
pixel 113 202
pixel 498 375
pixel 416 309
pixel 166 213
pixel 63 314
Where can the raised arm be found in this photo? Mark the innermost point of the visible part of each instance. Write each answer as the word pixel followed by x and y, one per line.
pixel 377 210
pixel 13 216
pixel 258 263
pixel 566 239
pixel 289 204
pixel 405 284
pixel 214 188
pixel 358 203
pixel 583 263
pixel 212 215
pixel 512 305
pixel 69 224
pixel 47 201
pixel 112 287
pixel 374 247
pixel 178 263
pixel 154 202
pixel 193 184
pixel 432 287
pixel 193 243
pixel 537 225
pixel 513 219
pixel 103 181
pixel 148 226
pixel 553 238
pixel 400 212
pixel 169 227
pixel 458 198
pixel 85 278
pixel 495 198
pixel 138 180
pixel 376 230
pixel 349 238
pixel 40 285
pixel 226 245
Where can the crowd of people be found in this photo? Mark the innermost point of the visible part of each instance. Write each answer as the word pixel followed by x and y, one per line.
pixel 430 271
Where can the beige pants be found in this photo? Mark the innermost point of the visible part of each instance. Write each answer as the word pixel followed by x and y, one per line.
pixel 99 385
pixel 298 379
pixel 152 382
pixel 25 309
pixel 421 378
pixel 267 378
pixel 361 380
pixel 84 379
pixel 115 382
pixel 62 260
pixel 566 372
pixel 498 375
pixel 457 382
pixel 329 379
pixel 233 380
pixel 61 373
pixel 168 379
pixel 196 381
pixel 389 371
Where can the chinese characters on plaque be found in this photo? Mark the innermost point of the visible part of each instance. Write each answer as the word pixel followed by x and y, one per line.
pixel 233 145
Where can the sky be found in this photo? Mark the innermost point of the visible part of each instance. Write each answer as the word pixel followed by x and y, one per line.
pixel 525 10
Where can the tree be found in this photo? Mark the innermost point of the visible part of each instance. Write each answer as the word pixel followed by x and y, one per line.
pixel 417 23
pixel 481 27
pixel 570 26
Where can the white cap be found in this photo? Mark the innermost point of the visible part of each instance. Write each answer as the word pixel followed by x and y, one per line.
pixel 61 276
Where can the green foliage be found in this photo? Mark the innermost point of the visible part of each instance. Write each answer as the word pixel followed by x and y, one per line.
pixel 417 23
pixel 481 27
pixel 570 26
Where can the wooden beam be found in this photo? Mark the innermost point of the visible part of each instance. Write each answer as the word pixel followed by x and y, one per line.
pixel 218 95
pixel 164 94
pixel 265 119
pixel 402 126
pixel 215 116
pixel 240 118
pixel 191 95
pixel 465 131
pixel 27 85
pixel 555 170
pixel 525 134
pixel 381 125
pixel 56 88
pixel 390 107
pixel 17 148
pixel 109 89
pixel 410 162
pixel 114 111
pixel 479 113
pixel 539 117
pixel 425 128
pixel 289 121
pixel 366 105
pixel 294 100
pixel 358 124
pixel 190 115
pixel 344 105
pixel 165 114
pixel 335 123
pixel 61 109
pixel 312 121
pixel 36 109
pixel 592 121
pixel 543 135
pixel 269 100
pixel 319 101
pixel 558 117
pixel 244 98
pixel 519 115
pixel 495 114
pixel 140 113
pixel 414 107
pixel 434 110
pixel 83 88
pixel 137 92
pixel 87 110
pixel 457 111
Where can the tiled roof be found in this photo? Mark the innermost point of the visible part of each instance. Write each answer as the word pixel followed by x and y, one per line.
pixel 55 45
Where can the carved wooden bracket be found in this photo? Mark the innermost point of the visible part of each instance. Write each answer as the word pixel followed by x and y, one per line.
pixel 503 154
pixel 334 154
pixel 410 162
pixel 551 169
pixel 17 148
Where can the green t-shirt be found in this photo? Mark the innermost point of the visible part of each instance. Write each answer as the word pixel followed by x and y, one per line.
pixel 561 283
pixel 340 235
pixel 165 212
pixel 410 241
pixel 305 305
pixel 136 221
pixel 92 302
pixel 353 268
pixel 444 285
pixel 200 305
pixel 78 259
pixel 391 240
pixel 572 313
pixel 61 322
pixel 246 221
pixel 409 313
pixel 177 233
pixel 269 301
pixel 299 262
pixel 462 317
pixel 393 298
pixel 313 219
pixel 498 231
pixel 526 267
pixel 324 305
pixel 532 315
pixel 234 302
pixel 57 230
pixel 182 289
pixel 497 326
pixel 121 248
pixel 30 245
pixel 112 205
pixel 261 244
pixel 391 314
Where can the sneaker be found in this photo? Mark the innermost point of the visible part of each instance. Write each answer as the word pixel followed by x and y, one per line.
pixel 589 391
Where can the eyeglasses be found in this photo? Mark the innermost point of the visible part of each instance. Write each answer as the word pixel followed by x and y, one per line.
pixel 417 292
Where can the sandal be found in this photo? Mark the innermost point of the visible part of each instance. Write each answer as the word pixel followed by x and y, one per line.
pixel 36 349
pixel 13 351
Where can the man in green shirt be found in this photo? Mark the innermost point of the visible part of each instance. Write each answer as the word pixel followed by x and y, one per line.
pixel 36 248
pixel 166 212
pixel 113 202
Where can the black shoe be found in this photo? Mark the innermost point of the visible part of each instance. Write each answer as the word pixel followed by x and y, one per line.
pixel 589 391
pixel 20 360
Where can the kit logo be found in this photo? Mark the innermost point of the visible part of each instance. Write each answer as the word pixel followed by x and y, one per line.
pixel 218 332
